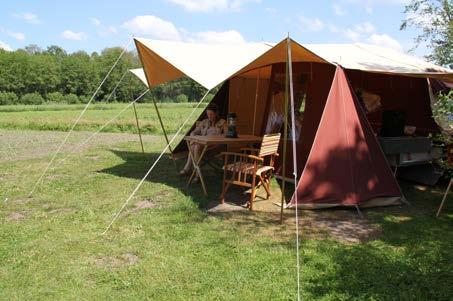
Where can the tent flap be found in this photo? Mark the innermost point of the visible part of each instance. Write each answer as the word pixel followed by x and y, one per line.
pixel 346 166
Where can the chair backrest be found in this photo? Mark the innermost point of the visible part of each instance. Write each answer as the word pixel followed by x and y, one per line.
pixel 269 145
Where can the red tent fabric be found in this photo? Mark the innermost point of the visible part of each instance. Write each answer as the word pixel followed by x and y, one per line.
pixel 346 166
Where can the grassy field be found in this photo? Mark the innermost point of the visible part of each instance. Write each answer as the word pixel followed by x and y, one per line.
pixel 166 246
pixel 61 117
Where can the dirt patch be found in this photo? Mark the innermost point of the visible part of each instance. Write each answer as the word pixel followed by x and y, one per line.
pixel 61 210
pixel 344 225
pixel 116 262
pixel 145 204
pixel 341 225
pixel 16 216
pixel 54 177
pixel 130 258
pixel 225 207
pixel 21 201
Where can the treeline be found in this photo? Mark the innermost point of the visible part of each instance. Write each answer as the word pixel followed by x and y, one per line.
pixel 34 76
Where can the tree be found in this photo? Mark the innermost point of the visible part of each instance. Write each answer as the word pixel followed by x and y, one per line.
pixel 435 20
pixel 33 49
pixel 56 51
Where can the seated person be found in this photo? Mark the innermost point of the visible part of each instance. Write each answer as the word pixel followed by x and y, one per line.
pixel 213 125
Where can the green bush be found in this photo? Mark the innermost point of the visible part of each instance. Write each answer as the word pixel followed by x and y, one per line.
pixel 181 98
pixel 84 98
pixel 55 97
pixel 31 99
pixel 8 98
pixel 71 98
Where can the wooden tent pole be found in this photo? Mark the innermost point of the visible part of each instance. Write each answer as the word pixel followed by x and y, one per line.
pixel 256 99
pixel 285 139
pixel 138 128
pixel 443 199
pixel 165 134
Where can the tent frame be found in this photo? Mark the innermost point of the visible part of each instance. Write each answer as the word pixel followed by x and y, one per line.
pixel 158 115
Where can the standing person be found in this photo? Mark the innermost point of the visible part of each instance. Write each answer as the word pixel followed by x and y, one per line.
pixel 212 125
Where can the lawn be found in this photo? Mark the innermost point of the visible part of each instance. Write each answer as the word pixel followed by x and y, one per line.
pixel 166 246
pixel 61 117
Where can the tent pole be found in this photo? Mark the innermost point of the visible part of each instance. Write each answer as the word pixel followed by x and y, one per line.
pixel 138 128
pixel 165 134
pixel 256 99
pixel 285 140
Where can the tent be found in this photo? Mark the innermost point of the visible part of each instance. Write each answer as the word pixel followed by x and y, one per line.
pixel 253 83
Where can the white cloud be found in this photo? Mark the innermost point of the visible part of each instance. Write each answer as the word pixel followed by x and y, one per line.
pixel 385 41
pixel 357 32
pixel 219 37
pixel 370 4
pixel 17 35
pixel 310 24
pixel 95 21
pixel 338 10
pixel 5 46
pixel 152 27
pixel 112 29
pixel 103 30
pixel 28 17
pixel 75 36
pixel 211 5
pixel 366 27
pixel 352 35
pixel 333 28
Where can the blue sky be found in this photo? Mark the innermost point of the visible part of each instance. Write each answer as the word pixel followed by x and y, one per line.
pixel 96 24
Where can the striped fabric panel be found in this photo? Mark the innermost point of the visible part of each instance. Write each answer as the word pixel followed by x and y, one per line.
pixel 269 145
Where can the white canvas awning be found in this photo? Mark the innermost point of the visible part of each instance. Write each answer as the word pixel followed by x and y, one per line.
pixel 373 58
pixel 140 74
pixel 211 64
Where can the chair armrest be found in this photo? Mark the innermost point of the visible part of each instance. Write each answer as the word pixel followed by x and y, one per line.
pixel 242 155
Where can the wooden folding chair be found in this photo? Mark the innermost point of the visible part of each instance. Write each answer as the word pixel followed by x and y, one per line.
pixel 251 168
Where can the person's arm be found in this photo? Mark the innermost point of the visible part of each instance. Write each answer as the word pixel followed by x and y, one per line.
pixel 224 126
pixel 197 130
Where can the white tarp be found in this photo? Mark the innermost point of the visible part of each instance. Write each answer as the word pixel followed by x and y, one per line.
pixel 140 74
pixel 207 64
pixel 211 64
pixel 374 59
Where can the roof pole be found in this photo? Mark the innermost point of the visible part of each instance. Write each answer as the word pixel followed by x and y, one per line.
pixel 293 138
pixel 285 138
pixel 138 128
pixel 256 99
pixel 165 134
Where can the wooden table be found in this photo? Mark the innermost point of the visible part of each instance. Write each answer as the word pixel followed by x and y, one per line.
pixel 206 141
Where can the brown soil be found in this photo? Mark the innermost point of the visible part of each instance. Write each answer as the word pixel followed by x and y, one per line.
pixel 15 216
pixel 116 262
pixel 344 225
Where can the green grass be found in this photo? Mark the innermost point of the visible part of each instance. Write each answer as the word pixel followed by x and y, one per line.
pixel 61 117
pixel 55 250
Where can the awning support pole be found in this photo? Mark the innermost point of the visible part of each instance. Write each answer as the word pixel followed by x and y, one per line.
pixel 165 134
pixel 293 136
pixel 256 99
pixel 285 140
pixel 138 128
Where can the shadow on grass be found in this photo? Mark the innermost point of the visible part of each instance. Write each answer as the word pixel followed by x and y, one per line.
pixel 411 260
pixel 136 164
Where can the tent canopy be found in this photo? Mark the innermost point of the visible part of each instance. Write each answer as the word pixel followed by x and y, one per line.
pixel 211 64
pixel 373 58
